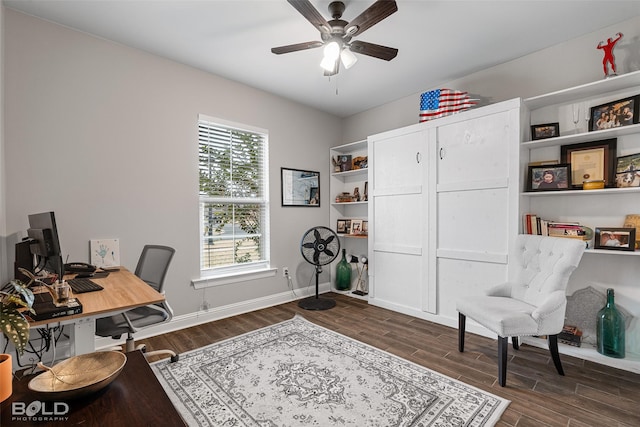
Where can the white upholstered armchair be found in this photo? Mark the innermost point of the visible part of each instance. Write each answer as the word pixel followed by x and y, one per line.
pixel 532 303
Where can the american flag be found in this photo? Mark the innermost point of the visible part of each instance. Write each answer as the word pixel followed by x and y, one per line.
pixel 443 102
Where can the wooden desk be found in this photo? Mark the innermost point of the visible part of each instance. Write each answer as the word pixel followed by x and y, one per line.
pixel 122 291
pixel 135 398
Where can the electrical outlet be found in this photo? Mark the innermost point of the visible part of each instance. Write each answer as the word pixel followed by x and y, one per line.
pixel 285 271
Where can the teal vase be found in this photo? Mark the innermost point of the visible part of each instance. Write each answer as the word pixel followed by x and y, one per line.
pixel 610 329
pixel 343 273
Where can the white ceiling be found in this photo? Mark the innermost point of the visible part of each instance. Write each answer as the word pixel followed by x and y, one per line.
pixel 437 40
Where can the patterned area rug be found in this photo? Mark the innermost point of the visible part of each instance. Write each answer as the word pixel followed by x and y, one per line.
pixel 296 373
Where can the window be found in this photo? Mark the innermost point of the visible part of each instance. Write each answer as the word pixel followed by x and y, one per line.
pixel 234 202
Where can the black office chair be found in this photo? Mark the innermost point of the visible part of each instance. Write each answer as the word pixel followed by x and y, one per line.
pixel 152 268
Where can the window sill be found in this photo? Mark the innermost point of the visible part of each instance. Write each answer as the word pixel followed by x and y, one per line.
pixel 227 279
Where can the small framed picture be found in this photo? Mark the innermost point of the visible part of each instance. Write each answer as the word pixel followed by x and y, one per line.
pixel 343 226
pixel 615 239
pixel 623 112
pixel 628 171
pixel 356 226
pixel 591 161
pixel 549 177
pixel 365 227
pixel 548 130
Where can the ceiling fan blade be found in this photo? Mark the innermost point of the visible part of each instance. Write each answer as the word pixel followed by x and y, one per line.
pixel 295 47
pixel 375 50
pixel 312 15
pixel 371 16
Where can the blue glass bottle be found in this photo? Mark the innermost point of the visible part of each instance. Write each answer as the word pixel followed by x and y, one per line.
pixel 610 330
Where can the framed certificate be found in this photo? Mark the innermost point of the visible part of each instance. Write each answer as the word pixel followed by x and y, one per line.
pixel 591 161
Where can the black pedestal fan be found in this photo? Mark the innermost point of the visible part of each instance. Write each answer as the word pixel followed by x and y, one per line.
pixel 319 246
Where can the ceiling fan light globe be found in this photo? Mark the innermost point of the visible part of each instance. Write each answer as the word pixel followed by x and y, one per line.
pixel 328 64
pixel 348 58
pixel 332 50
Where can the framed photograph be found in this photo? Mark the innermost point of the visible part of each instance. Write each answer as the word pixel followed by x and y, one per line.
pixel 365 227
pixel 628 171
pixel 300 187
pixel 623 112
pixel 591 161
pixel 356 226
pixel 548 130
pixel 360 162
pixel 549 177
pixel 615 239
pixel 365 196
pixel 343 226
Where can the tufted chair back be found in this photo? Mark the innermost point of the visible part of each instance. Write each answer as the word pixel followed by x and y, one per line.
pixel 543 265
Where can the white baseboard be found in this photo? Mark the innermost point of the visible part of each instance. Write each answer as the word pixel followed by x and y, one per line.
pixel 204 316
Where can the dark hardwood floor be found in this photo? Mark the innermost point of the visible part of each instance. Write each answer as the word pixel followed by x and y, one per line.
pixel 589 394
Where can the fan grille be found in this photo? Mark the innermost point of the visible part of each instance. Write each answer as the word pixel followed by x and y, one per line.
pixel 320 246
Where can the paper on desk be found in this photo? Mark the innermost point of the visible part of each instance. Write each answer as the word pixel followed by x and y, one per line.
pixel 105 252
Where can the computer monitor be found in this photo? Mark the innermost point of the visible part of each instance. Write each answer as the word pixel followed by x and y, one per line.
pixel 45 244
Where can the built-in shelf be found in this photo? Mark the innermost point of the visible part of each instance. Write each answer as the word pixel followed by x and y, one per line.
pixel 608 85
pixel 348 203
pixel 612 252
pixel 353 236
pixel 353 172
pixel 564 193
pixel 631 362
pixel 596 135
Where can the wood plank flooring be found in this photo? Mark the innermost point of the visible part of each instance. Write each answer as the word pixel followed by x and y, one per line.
pixel 589 394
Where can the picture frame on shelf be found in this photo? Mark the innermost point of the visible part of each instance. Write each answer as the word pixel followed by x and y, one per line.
pixel 615 239
pixel 365 227
pixel 365 195
pixel 628 171
pixel 622 112
pixel 356 227
pixel 345 162
pixel 360 162
pixel 544 131
pixel 549 177
pixel 343 226
pixel 591 161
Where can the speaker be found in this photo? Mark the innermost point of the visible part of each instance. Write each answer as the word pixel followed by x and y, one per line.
pixel 24 259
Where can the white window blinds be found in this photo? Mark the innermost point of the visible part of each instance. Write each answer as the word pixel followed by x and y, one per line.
pixel 233 196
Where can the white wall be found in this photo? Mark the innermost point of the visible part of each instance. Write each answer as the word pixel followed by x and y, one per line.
pixel 106 136
pixel 568 64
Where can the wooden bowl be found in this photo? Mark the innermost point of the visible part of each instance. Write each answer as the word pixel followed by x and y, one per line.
pixel 79 375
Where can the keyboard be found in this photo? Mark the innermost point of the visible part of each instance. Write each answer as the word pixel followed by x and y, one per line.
pixel 80 286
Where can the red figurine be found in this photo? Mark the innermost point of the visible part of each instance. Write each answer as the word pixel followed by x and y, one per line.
pixel 608 54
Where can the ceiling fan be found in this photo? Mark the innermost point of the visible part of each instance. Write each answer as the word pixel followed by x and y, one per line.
pixel 336 34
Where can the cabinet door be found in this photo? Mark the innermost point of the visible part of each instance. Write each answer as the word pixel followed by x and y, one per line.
pixel 476 203
pixel 474 150
pixel 398 218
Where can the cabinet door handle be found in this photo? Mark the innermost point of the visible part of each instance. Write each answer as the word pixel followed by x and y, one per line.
pixel 418 157
pixel 441 153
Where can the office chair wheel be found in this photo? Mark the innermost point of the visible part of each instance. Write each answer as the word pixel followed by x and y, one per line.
pixel 142 348
pixel 175 358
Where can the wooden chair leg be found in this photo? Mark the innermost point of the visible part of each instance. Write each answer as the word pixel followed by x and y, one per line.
pixel 462 320
pixel 503 344
pixel 516 343
pixel 553 348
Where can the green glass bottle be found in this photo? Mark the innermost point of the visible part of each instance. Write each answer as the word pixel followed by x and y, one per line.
pixel 343 273
pixel 610 329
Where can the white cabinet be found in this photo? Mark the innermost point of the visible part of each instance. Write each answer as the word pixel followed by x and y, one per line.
pixel 399 220
pixel 346 181
pixel 593 208
pixel 444 209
